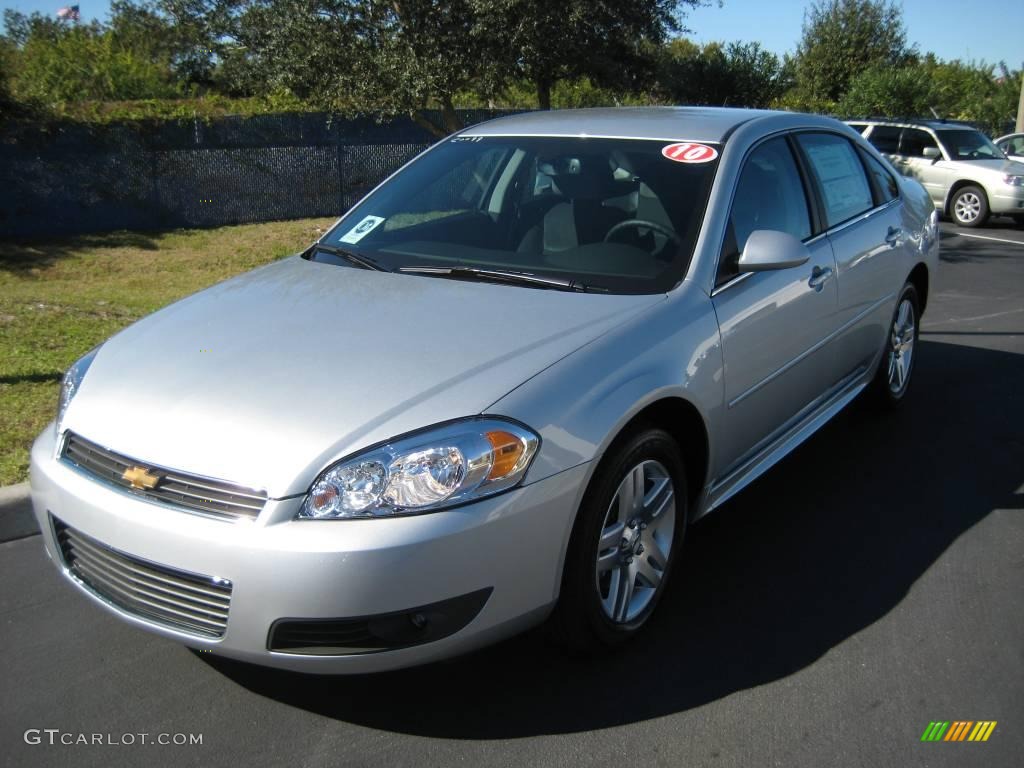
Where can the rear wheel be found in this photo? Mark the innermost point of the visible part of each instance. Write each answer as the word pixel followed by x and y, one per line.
pixel 629 530
pixel 969 207
pixel 893 378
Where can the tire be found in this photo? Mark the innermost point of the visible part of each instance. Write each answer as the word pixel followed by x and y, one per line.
pixel 895 369
pixel 969 207
pixel 611 583
pixel 1018 220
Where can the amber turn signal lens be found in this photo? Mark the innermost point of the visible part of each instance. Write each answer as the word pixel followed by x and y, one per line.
pixel 508 450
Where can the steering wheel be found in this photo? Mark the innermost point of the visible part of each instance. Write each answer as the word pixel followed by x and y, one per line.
pixel 643 224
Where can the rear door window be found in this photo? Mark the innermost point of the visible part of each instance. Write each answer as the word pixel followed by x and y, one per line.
pixel 885 138
pixel 839 176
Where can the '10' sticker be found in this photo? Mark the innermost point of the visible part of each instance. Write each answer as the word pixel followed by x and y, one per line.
pixel 688 152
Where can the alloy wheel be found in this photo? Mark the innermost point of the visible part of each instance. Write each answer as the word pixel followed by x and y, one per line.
pixel 967 207
pixel 636 542
pixel 901 348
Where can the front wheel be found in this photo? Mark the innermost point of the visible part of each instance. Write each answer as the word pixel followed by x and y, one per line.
pixel 629 530
pixel 969 207
pixel 893 378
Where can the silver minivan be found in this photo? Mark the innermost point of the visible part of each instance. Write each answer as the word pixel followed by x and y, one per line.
pixel 967 176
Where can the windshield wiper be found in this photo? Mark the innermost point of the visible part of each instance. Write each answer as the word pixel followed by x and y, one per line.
pixel 363 261
pixel 503 276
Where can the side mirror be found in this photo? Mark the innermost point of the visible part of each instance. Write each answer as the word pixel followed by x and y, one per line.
pixel 932 153
pixel 769 249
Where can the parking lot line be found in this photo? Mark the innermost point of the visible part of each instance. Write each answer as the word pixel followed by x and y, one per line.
pixel 996 239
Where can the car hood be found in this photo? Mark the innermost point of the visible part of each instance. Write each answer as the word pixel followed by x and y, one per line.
pixel 996 165
pixel 266 378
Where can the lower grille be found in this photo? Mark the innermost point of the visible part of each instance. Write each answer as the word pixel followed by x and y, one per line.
pixel 213 498
pixel 177 599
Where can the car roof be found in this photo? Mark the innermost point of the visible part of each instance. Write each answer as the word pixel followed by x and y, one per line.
pixel 912 123
pixel 710 124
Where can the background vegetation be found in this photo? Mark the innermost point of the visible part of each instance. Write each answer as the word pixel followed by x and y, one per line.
pixel 59 298
pixel 178 58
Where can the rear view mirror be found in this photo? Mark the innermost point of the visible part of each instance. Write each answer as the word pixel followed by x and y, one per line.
pixel 768 249
pixel 932 153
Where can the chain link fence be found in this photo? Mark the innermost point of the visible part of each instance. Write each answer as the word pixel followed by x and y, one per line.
pixel 72 178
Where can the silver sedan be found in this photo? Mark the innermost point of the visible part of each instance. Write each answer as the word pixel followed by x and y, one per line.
pixel 495 393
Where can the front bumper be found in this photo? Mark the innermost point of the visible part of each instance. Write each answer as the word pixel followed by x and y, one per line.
pixel 512 544
pixel 1006 200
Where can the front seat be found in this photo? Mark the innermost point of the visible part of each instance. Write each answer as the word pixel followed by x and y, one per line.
pixel 582 217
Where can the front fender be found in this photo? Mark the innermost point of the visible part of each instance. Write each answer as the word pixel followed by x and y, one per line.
pixel 582 403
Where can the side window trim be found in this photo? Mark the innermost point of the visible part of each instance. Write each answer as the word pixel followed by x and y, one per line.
pixel 815 205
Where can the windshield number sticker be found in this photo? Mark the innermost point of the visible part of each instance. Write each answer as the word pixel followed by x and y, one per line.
pixel 687 152
pixel 362 229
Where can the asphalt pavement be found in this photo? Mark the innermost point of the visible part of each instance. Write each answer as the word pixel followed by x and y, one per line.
pixel 871 583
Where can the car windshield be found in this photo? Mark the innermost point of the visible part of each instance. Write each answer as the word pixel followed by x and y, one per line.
pixel 613 215
pixel 969 145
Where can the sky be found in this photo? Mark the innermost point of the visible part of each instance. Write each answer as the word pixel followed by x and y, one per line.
pixel 949 28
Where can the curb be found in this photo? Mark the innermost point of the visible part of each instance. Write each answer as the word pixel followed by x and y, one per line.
pixel 16 518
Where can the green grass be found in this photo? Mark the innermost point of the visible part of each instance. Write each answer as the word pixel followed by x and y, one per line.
pixel 61 297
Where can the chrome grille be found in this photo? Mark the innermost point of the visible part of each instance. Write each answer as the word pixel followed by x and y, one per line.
pixel 214 498
pixel 184 601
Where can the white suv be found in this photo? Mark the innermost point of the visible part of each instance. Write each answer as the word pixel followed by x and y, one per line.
pixel 967 176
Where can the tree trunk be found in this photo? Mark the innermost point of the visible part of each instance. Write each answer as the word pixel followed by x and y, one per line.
pixel 452 121
pixel 436 131
pixel 543 93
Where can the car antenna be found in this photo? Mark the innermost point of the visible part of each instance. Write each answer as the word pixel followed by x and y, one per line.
pixel 936 114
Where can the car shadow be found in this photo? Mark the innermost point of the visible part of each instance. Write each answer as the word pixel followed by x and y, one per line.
pixel 955 249
pixel 20 255
pixel 821 547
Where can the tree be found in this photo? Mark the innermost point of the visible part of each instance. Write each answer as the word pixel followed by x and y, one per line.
pixel 979 93
pixel 734 74
pixel 149 30
pixel 399 57
pixel 411 56
pixel 608 41
pixel 888 91
pixel 87 63
pixel 18 27
pixel 8 57
pixel 843 38
pixel 53 61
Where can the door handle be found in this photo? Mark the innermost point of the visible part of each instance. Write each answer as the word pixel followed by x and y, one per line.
pixel 819 277
pixel 892 237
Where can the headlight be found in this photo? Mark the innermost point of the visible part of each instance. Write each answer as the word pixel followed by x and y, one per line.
pixel 1014 181
pixel 432 470
pixel 72 381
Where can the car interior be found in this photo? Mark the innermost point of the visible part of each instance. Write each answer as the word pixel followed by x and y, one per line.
pixel 602 212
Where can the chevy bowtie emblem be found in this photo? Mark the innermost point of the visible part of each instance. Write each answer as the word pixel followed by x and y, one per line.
pixel 140 478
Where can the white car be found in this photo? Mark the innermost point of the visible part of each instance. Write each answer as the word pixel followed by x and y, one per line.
pixel 1012 145
pixel 967 176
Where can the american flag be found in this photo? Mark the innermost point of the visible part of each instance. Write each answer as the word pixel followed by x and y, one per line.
pixel 70 13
